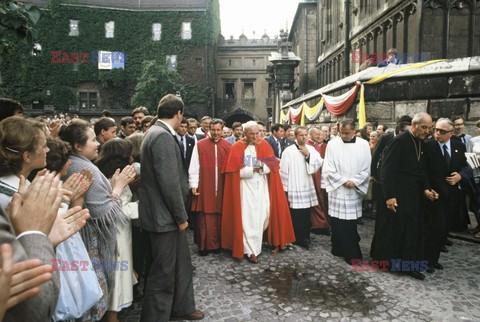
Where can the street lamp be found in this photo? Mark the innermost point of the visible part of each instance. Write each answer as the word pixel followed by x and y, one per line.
pixel 281 70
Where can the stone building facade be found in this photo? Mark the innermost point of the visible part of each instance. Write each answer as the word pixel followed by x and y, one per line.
pixel 304 35
pixel 351 29
pixel 180 34
pixel 244 91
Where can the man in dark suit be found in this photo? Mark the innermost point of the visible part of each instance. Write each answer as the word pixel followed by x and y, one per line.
pixel 445 160
pixel 162 210
pixel 276 139
pixel 192 129
pixel 186 143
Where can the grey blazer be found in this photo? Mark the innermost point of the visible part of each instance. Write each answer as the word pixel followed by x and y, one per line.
pixel 42 306
pixel 164 184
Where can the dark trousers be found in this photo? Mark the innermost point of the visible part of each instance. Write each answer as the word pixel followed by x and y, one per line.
pixel 345 239
pixel 301 224
pixel 170 284
pixel 435 229
pixel 142 252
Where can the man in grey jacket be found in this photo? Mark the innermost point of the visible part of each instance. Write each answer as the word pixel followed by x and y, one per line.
pixel 162 210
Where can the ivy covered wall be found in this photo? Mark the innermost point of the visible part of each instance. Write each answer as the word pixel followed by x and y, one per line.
pixel 30 78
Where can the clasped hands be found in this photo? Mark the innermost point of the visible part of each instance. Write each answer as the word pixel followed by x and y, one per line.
pixel 349 184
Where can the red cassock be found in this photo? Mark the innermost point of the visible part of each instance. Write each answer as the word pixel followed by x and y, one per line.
pixel 208 204
pixel 318 215
pixel 280 229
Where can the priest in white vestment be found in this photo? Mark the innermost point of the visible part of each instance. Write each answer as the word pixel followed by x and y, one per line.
pixel 299 161
pixel 346 171
pixel 255 199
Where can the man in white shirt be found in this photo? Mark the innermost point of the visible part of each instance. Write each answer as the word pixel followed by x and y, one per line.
pixel 346 171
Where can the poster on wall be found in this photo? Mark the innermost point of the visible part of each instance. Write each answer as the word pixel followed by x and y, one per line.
pixel 111 60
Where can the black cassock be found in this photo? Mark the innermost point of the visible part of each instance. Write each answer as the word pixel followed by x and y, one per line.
pixel 403 177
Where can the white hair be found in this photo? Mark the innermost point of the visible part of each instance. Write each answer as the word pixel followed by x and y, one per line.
pixel 448 121
pixel 249 125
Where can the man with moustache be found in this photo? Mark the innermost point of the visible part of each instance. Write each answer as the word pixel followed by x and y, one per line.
pixel 405 185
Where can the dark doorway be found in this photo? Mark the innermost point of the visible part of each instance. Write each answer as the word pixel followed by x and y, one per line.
pixel 239 115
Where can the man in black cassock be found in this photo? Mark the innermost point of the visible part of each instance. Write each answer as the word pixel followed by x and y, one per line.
pixel 382 215
pixel 405 184
pixel 445 161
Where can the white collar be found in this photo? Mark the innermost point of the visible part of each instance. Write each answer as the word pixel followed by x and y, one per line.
pixel 11 180
pixel 169 127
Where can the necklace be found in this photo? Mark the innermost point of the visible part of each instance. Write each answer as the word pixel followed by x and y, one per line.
pixel 418 151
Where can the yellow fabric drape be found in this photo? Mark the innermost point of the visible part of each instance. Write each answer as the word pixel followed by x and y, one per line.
pixel 362 115
pixel 379 78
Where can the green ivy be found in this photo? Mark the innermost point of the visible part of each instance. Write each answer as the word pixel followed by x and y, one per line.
pixel 27 78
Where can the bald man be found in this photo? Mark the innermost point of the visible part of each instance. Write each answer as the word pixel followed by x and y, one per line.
pixel 405 186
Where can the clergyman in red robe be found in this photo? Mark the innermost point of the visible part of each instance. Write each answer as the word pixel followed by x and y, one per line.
pixel 318 215
pixel 206 181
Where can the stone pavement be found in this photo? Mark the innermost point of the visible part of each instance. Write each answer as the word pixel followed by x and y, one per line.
pixel 313 285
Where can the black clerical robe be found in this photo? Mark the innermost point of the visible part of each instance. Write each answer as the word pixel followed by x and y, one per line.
pixel 403 177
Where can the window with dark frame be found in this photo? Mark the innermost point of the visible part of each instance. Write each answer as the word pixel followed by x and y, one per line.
pixel 230 90
pixel 88 100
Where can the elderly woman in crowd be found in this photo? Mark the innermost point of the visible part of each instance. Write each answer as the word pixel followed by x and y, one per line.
pixel 103 201
pixel 374 136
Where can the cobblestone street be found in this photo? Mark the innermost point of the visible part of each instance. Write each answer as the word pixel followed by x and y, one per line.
pixel 313 285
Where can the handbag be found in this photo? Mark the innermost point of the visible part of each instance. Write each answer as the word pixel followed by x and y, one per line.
pixel 79 287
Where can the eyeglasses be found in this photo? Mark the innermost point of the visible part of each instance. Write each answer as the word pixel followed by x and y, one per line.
pixel 442 132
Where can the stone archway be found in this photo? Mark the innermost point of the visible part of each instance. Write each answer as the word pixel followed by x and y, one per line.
pixel 238 115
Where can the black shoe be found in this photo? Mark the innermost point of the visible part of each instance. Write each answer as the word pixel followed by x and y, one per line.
pixel 416 275
pixel 448 242
pixel 430 270
pixel 203 252
pixel 217 251
pixel 304 244
pixel 444 249
pixel 438 266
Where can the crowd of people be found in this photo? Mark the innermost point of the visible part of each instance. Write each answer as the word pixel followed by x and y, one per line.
pixel 126 196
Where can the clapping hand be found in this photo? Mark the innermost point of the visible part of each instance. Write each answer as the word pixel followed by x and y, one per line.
pixel 68 223
pixel 54 128
pixel 36 207
pixel 121 179
pixel 20 281
pixel 78 184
